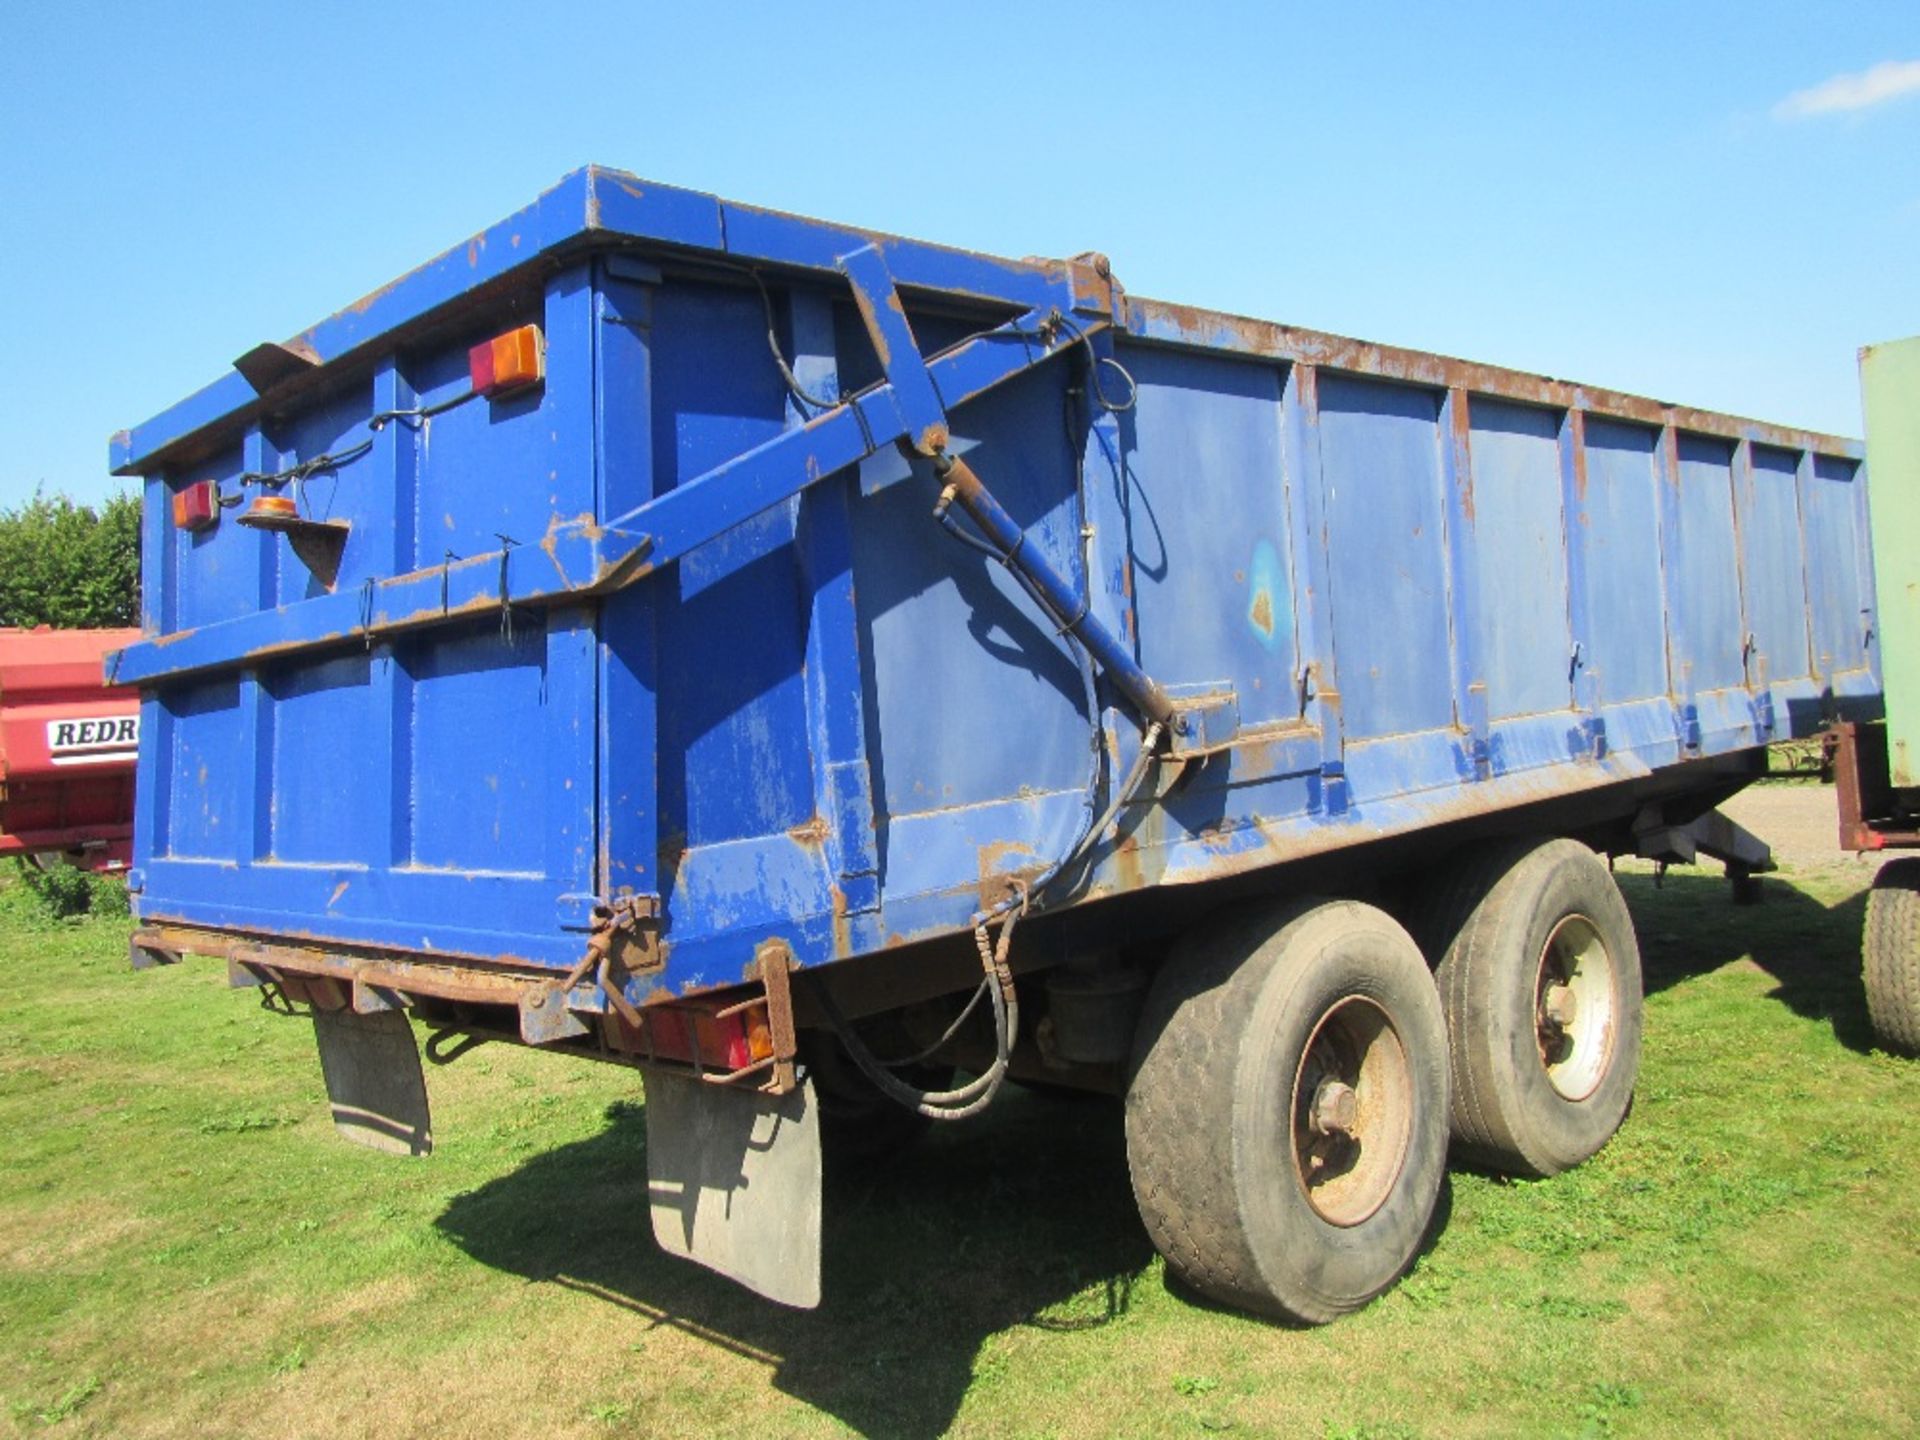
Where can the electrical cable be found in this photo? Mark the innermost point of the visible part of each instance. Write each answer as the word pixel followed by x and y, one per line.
pixel 334 459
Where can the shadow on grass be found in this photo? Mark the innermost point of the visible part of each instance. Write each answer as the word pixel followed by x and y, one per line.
pixel 1689 926
pixel 1022 1218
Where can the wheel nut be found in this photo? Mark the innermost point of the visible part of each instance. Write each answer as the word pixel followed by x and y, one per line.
pixel 1335 1108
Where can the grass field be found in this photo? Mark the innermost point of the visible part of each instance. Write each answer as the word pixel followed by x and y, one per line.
pixel 186 1250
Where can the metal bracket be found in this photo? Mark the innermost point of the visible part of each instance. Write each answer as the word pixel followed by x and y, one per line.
pixel 916 403
pixel 624 941
pixel 1686 722
pixel 1593 732
pixel 317 544
pixel 271 364
pixel 1007 869
pixel 666 1035
pixel 1206 718
pixel 630 925
pixel 1657 838
pixel 147 951
pixel 775 962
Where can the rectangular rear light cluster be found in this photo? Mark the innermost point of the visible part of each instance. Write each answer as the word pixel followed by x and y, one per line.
pixel 196 506
pixel 508 362
pixel 706 1034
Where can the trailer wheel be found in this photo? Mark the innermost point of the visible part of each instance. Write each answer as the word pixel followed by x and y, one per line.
pixel 1891 956
pixel 1539 976
pixel 1286 1114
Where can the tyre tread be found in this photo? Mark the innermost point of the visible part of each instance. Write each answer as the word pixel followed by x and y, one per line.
pixel 1185 1104
pixel 1459 924
pixel 1890 957
pixel 1173 1142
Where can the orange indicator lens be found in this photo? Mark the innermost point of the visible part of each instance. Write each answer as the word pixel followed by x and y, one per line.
pixel 508 362
pixel 196 506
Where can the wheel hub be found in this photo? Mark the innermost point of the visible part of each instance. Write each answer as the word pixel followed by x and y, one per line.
pixel 1352 1112
pixel 1573 1007
pixel 1560 1006
pixel 1335 1108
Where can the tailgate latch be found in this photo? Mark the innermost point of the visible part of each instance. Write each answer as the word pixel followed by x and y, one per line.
pixel 625 931
pixel 623 939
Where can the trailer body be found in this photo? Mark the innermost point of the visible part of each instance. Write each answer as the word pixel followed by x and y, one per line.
pixel 1890 386
pixel 656 652
pixel 1877 765
pixel 67 748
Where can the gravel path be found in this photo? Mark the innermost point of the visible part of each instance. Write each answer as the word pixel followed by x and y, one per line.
pixel 1800 821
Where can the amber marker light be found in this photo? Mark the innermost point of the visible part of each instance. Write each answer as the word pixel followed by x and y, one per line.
pixel 197 506
pixel 508 362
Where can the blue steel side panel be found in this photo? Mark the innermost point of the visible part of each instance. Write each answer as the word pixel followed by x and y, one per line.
pixel 836 686
pixel 510 440
pixel 317 819
pixel 1620 520
pixel 1704 569
pixel 203 784
pixel 1379 455
pixel 1198 415
pixel 1836 542
pixel 744 719
pixel 1519 548
pixel 211 574
pixel 473 694
pixel 1770 544
pixel 972 696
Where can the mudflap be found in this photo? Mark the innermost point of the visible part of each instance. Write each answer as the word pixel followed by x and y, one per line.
pixel 374 1080
pixel 733 1179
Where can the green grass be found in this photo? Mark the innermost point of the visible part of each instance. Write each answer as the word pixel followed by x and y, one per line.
pixel 186 1249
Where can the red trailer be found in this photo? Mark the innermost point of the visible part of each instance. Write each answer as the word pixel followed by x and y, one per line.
pixel 67 747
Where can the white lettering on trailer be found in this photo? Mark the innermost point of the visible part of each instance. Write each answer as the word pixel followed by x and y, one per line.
pixel 93 739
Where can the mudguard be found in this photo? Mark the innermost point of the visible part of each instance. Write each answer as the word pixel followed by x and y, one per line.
pixel 374 1080
pixel 733 1179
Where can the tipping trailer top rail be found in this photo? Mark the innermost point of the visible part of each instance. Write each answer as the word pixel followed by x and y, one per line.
pixel 596 205
pixel 597 647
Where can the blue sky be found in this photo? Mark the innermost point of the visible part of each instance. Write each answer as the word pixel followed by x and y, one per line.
pixel 1716 204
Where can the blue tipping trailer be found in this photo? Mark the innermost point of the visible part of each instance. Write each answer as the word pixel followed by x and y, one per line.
pixel 696 637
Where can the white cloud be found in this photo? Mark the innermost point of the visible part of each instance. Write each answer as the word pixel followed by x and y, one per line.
pixel 1861 90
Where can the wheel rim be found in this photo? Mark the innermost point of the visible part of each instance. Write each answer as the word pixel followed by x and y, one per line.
pixel 1573 1007
pixel 1352 1111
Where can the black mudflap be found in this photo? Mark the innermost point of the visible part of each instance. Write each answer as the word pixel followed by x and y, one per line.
pixel 733 1177
pixel 374 1079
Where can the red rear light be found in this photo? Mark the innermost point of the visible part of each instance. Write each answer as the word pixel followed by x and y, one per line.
pixel 690 1033
pixel 508 362
pixel 197 506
